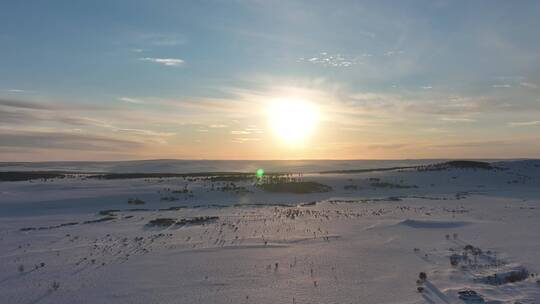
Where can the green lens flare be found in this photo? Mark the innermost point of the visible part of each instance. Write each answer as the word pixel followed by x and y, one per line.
pixel 260 172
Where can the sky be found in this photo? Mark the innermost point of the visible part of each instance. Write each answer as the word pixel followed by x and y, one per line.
pixel 115 80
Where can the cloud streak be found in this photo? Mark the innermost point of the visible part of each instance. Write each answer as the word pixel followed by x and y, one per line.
pixel 171 62
pixel 131 100
pixel 329 60
pixel 525 123
pixel 65 141
pixel 23 104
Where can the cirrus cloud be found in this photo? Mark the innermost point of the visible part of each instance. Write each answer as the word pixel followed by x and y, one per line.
pixel 525 123
pixel 165 61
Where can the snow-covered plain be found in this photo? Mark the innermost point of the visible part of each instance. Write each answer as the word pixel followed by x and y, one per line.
pixel 366 241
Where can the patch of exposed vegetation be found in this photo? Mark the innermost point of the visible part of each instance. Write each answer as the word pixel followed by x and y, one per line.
pixel 173 208
pixel 55 285
pixel 169 198
pixel 49 227
pixel 241 177
pixel 516 275
pixel 422 278
pixel 470 296
pixel 15 176
pixel 295 187
pixel 161 222
pixel 100 220
pixel 134 175
pixel 366 200
pixel 109 212
pixel 200 175
pixel 350 187
pixel 388 185
pixel 135 201
pixel 366 170
pixel 457 164
pixel 199 220
pixel 181 191
pixel 492 270
pixel 167 222
pixel 232 187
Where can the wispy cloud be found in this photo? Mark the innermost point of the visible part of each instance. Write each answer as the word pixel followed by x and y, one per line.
pixel 510 78
pixel 26 116
pixel 254 130
pixel 460 106
pixel 525 123
pixel 503 86
pixel 145 132
pixel 160 39
pixel 65 140
pixel 386 146
pixel 457 119
pixel 473 144
pixel 326 59
pixel 242 132
pixel 24 104
pixel 131 100
pixel 166 40
pixel 241 140
pixel 394 53
pixel 16 91
pixel 165 61
pixel 528 85
pixel 435 130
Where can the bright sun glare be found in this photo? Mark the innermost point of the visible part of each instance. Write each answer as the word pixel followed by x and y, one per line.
pixel 292 120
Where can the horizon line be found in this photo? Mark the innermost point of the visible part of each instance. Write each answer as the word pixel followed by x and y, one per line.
pixel 302 159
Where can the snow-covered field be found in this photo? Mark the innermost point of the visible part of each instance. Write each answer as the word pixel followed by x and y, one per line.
pixel 473 232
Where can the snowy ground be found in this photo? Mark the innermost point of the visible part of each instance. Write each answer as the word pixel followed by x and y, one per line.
pixel 364 242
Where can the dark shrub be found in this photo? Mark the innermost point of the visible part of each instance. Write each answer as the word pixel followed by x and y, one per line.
pixel 162 222
pixel 135 201
pixel 295 187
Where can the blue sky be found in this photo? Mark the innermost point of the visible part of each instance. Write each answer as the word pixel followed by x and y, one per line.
pixel 178 79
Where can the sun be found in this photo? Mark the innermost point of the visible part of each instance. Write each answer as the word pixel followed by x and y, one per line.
pixel 292 120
